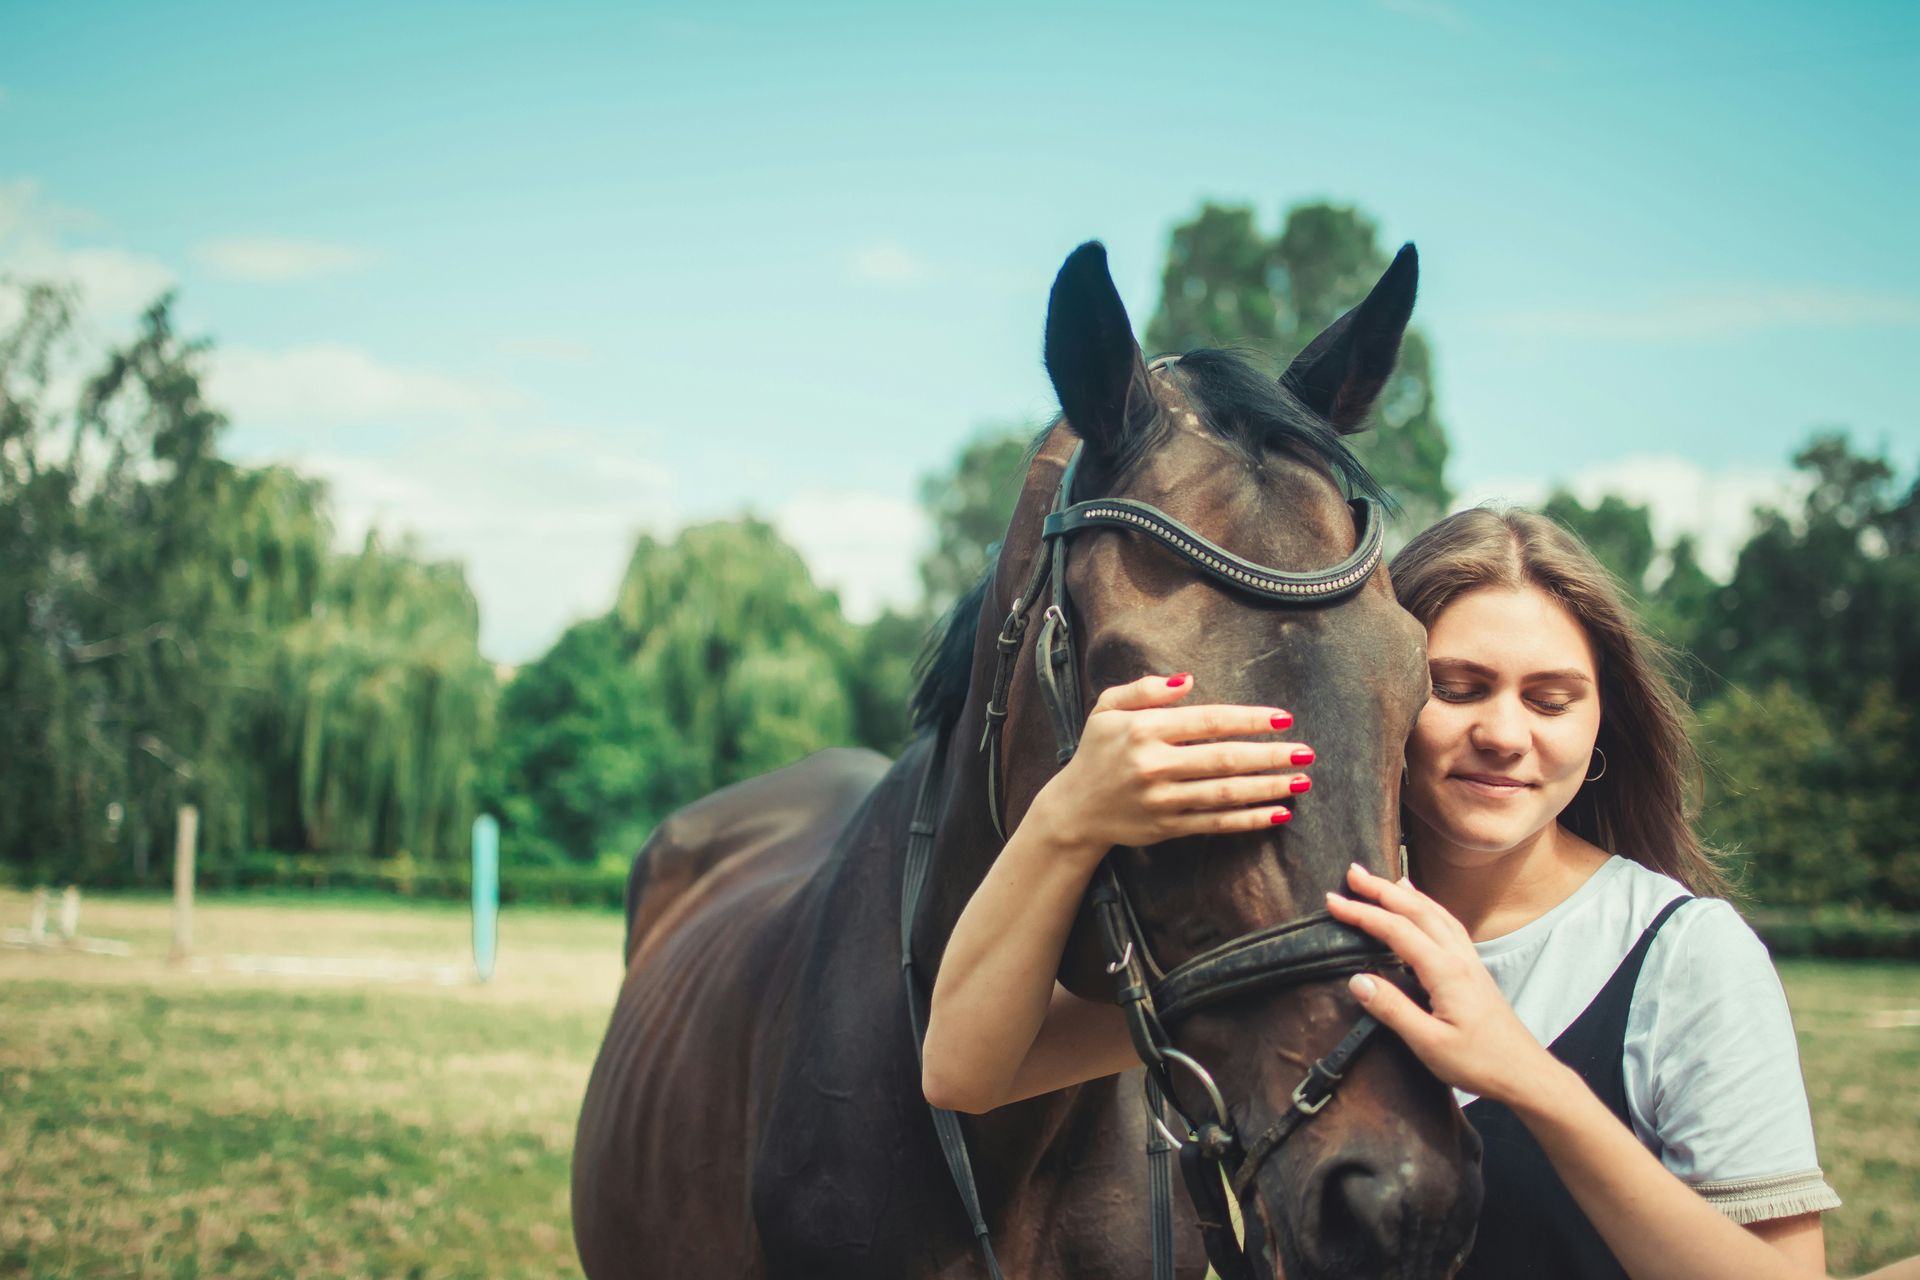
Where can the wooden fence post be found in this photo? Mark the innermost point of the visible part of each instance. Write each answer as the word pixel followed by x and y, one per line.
pixel 185 834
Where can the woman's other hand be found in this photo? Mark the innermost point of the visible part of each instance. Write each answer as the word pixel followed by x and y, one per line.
pixel 1472 1039
pixel 1148 770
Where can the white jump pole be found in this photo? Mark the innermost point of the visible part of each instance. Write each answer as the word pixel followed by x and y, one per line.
pixel 185 833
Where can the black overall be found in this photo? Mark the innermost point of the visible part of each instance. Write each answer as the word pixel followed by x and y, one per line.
pixel 1530 1225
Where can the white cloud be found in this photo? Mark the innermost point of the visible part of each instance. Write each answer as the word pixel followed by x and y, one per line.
pixel 268 260
pixel 1682 497
pixel 114 285
pixel 336 383
pixel 543 520
pixel 1718 314
pixel 865 546
pixel 888 262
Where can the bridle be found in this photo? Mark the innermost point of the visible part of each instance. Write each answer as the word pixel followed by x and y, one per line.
pixel 1311 948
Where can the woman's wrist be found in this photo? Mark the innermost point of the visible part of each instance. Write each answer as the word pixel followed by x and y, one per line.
pixel 1058 836
pixel 1542 1091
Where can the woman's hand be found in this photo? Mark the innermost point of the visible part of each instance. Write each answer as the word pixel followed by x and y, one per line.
pixel 1472 1039
pixel 1146 772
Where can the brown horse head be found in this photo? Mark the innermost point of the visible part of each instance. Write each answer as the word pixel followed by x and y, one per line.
pixel 1384 1180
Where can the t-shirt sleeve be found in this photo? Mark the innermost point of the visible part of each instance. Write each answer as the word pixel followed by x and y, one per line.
pixel 1713 1070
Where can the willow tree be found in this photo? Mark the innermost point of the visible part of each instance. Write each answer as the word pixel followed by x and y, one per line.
pixel 720 659
pixel 387 707
pixel 173 628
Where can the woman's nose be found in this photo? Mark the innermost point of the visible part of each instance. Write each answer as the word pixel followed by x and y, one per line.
pixel 1501 727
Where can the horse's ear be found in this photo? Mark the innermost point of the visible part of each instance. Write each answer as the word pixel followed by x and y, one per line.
pixel 1091 356
pixel 1341 372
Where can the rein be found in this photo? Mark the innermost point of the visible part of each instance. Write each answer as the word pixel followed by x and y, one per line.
pixel 1312 948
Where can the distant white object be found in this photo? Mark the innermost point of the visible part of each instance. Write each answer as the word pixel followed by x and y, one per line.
pixel 34 936
pixel 370 968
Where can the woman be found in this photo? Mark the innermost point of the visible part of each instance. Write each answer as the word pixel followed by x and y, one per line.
pixel 1564 860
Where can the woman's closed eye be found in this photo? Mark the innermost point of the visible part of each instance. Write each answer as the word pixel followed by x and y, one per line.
pixel 1552 703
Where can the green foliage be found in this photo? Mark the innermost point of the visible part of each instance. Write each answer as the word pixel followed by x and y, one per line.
pixel 1226 284
pixel 720 660
pixel 1844 933
pixel 1811 690
pixel 969 506
pixel 1813 806
pixel 1823 599
pixel 177 631
pixel 1620 533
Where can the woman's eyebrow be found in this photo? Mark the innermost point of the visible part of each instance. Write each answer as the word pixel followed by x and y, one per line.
pixel 1567 674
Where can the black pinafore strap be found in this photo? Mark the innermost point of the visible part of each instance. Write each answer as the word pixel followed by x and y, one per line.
pixel 1530 1224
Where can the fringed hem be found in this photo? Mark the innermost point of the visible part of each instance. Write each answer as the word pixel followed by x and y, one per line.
pixel 1786 1195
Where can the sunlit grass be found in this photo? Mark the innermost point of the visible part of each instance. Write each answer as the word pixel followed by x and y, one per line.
pixel 156 1122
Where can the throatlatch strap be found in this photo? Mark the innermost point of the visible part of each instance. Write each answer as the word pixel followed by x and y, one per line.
pixel 946 1125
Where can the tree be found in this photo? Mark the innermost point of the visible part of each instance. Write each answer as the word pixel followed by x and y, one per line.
pixel 720 660
pixel 177 630
pixel 387 706
pixel 1619 533
pixel 1227 285
pixel 969 507
pixel 1823 599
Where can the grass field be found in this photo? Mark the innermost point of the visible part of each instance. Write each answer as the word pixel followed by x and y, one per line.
pixel 160 1123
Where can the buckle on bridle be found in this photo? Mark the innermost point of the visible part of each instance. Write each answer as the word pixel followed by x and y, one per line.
pixel 1117 965
pixel 1316 1072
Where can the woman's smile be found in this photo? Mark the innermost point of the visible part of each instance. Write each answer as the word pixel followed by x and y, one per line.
pixel 1492 785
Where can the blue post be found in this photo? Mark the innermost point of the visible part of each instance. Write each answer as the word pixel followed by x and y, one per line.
pixel 486 894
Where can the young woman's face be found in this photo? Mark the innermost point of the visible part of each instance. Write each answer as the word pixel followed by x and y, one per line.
pixel 1507 738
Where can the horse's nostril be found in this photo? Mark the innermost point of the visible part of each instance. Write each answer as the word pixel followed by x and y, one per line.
pixel 1361 1210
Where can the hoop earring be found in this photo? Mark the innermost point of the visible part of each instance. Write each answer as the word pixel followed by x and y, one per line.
pixel 1603 766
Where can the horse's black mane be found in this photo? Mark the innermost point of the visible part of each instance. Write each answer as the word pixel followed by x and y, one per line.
pixel 1242 406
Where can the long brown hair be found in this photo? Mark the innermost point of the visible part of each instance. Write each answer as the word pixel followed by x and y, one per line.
pixel 1644 804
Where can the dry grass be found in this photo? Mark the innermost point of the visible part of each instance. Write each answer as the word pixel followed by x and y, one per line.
pixel 157 1122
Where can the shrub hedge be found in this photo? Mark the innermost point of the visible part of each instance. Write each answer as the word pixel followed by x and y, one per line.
pixel 1837 931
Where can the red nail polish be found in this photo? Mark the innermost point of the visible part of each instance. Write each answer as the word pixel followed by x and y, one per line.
pixel 1174 682
pixel 1281 815
pixel 1283 721
pixel 1300 784
pixel 1303 756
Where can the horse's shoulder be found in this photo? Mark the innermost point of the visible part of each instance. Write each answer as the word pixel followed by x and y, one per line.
pixel 791 812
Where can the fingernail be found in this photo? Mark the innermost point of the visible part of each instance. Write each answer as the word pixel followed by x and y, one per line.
pixel 1174 682
pixel 1280 815
pixel 1354 866
pixel 1283 720
pixel 1407 881
pixel 1362 987
pixel 1299 784
pixel 1333 897
pixel 1303 755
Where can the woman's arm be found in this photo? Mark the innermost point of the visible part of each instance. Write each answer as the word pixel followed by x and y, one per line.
pixel 999 1028
pixel 1657 1227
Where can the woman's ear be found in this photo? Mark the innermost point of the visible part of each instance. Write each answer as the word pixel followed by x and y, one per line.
pixel 1341 372
pixel 1091 355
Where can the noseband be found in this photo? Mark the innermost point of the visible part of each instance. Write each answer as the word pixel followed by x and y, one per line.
pixel 1312 948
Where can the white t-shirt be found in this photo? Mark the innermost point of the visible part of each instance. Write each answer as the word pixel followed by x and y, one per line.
pixel 1711 1065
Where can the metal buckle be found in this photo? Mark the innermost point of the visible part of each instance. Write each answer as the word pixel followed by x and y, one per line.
pixel 1300 1090
pixel 1117 965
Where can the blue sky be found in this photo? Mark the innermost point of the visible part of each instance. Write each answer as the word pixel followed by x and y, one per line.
pixel 526 280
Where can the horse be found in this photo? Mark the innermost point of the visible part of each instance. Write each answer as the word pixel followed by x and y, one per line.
pixel 756 1107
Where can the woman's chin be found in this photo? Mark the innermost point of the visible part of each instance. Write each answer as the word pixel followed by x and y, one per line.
pixel 1477 842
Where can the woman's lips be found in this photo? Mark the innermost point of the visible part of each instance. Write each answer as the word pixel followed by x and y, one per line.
pixel 1490 784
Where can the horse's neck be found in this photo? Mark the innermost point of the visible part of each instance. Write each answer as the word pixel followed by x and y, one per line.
pixel 967 842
